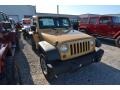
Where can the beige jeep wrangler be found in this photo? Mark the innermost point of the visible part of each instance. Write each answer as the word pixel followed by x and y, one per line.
pixel 60 48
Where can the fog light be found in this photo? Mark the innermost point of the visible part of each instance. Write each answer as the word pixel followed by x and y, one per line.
pixel 64 56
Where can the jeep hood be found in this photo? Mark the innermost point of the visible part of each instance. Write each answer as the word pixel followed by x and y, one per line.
pixel 69 36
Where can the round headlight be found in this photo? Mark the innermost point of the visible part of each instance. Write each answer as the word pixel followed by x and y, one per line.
pixel 30 32
pixel 64 48
pixel 91 42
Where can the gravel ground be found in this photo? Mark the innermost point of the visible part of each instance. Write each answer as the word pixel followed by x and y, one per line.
pixel 105 72
pixel 29 65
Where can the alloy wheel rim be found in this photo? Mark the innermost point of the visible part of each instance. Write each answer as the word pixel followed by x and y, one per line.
pixel 43 66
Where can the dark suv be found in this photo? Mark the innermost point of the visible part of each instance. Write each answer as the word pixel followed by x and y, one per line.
pixel 105 26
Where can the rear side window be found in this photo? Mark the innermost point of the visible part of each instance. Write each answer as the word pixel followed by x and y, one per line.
pixel 84 20
pixel 116 19
pixel 93 20
pixel 105 20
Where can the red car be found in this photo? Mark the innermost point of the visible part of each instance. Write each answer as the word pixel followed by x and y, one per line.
pixel 8 42
pixel 104 26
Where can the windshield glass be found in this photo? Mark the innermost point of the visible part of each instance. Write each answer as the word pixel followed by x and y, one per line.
pixel 53 22
pixel 116 19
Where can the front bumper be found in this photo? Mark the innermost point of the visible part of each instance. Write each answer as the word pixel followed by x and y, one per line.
pixel 63 66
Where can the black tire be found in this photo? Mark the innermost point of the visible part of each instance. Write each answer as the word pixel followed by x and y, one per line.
pixel 10 71
pixel 117 42
pixel 48 72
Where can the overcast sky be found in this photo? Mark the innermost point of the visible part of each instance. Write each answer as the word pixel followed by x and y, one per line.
pixel 74 7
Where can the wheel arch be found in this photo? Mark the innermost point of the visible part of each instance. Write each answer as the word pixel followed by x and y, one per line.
pixel 49 50
pixel 116 35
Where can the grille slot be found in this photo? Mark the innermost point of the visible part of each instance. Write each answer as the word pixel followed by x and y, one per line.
pixel 79 47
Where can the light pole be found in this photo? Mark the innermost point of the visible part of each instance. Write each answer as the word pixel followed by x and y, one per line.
pixel 57 9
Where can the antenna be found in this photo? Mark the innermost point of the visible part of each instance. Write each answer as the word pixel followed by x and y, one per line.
pixel 57 9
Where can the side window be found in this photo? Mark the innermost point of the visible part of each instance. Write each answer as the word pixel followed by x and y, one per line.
pixel 93 20
pixel 84 20
pixel 104 20
pixel 116 19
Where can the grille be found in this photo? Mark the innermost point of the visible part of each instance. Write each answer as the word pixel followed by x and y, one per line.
pixel 79 47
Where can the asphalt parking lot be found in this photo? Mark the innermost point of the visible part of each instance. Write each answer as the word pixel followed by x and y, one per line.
pixel 105 72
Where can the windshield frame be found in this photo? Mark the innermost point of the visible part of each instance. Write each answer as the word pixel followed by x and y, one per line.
pixel 55 19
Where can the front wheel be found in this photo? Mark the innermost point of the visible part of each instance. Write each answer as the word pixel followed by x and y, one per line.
pixel 48 72
pixel 117 41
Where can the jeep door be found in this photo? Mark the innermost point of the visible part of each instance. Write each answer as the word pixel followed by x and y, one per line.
pixel 104 28
pixel 92 25
pixel 115 25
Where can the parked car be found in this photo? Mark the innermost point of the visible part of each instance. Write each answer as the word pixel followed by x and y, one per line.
pixel 60 48
pixel 26 27
pixel 8 40
pixel 103 26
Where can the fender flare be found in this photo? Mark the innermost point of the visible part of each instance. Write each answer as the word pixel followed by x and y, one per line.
pixel 116 35
pixel 49 50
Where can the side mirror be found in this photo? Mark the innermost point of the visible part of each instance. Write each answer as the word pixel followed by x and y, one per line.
pixel 33 28
pixel 7 25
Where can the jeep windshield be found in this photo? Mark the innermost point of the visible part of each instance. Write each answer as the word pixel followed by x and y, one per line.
pixel 53 22
pixel 116 20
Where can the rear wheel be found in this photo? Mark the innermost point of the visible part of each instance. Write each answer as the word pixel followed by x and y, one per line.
pixel 117 41
pixel 48 72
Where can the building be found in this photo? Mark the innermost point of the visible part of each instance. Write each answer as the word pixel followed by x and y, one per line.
pixel 17 12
